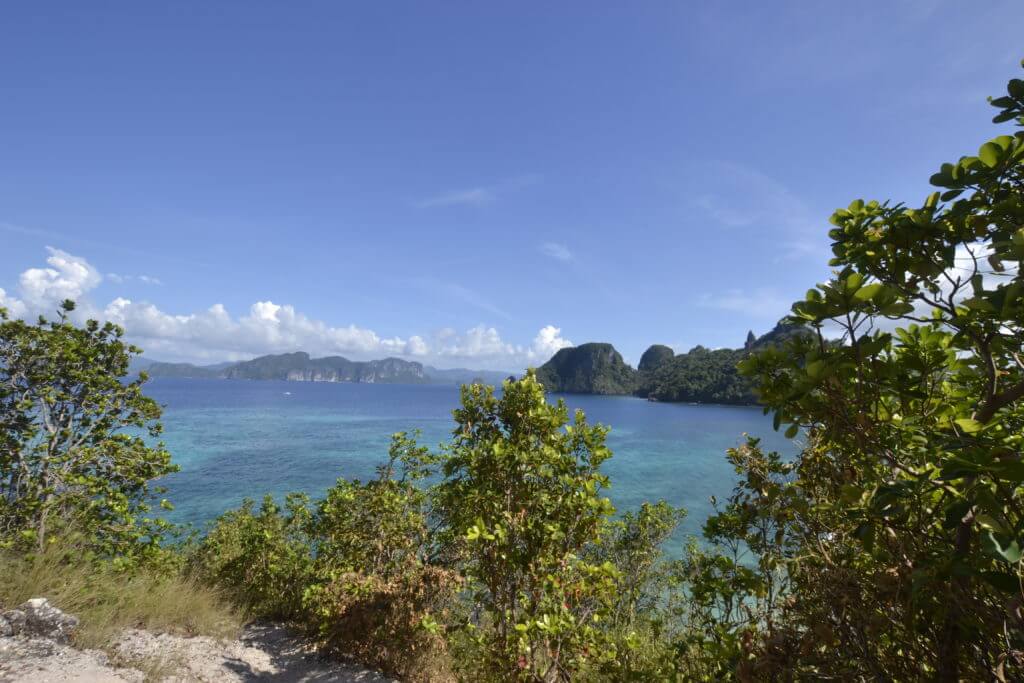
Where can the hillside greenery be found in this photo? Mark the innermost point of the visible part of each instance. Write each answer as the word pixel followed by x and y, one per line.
pixel 711 375
pixel 700 375
pixel 594 368
pixel 888 549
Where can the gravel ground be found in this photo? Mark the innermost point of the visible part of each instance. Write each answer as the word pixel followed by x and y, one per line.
pixel 264 652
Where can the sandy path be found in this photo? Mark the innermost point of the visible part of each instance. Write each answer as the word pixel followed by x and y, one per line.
pixel 264 652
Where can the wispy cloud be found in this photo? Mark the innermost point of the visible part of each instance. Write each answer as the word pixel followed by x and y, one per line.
pixel 557 251
pixel 745 197
pixel 144 279
pixel 480 195
pixel 758 303
pixel 460 294
pixel 477 196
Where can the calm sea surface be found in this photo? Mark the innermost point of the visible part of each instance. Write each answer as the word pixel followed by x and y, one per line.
pixel 237 439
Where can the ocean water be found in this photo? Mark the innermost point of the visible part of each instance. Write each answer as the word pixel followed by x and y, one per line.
pixel 238 439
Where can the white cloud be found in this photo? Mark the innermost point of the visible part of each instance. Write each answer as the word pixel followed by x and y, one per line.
pixel 547 342
pixel 416 346
pixel 557 251
pixel 267 327
pixel 484 345
pixel 15 308
pixel 69 277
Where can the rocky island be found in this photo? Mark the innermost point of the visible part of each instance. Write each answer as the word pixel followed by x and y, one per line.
pixel 700 375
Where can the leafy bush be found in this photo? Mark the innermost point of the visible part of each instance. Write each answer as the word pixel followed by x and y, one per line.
pixel 351 569
pixel 643 620
pixel 374 595
pixel 521 502
pixel 263 558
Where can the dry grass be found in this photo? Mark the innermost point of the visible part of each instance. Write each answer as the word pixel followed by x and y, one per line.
pixel 107 601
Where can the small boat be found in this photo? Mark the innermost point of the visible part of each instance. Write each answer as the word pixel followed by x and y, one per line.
pixel 287 393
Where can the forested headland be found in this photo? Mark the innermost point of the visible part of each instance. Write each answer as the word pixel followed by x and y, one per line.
pixel 700 375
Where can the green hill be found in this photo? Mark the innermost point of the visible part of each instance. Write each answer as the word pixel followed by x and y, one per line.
pixel 709 376
pixel 593 368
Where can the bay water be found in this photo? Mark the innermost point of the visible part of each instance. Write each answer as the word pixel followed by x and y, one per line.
pixel 237 439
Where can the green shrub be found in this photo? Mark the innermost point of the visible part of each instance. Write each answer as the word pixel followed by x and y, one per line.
pixel 374 595
pixel 520 502
pixel 642 620
pixel 395 624
pixel 263 558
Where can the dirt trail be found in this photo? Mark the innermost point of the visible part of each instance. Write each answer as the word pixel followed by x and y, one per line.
pixel 264 652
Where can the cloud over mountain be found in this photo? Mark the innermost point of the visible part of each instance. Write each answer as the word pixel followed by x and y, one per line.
pixel 267 327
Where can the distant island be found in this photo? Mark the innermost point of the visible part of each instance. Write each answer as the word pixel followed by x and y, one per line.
pixel 300 367
pixel 700 375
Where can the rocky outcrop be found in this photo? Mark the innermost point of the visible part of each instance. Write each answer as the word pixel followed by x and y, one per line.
pixel 594 368
pixel 654 357
pixel 38 618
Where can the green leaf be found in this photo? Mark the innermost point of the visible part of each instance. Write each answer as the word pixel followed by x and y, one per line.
pixel 896 309
pixel 868 292
pixel 989 154
pixel 1009 549
pixel 969 425
pixel 815 368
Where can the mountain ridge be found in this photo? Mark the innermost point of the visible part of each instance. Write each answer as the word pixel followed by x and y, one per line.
pixel 299 366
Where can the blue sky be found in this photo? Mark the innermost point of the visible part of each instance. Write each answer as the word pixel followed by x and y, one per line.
pixel 465 184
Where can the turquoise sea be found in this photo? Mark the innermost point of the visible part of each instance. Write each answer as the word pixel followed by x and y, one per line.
pixel 237 439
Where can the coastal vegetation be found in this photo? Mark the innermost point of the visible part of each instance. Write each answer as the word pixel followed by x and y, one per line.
pixel 889 548
pixel 700 375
